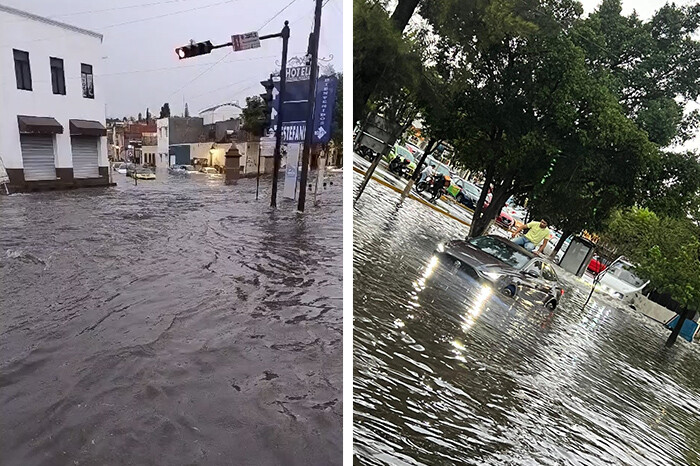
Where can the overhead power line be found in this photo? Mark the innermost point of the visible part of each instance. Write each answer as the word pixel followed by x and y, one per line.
pixel 276 15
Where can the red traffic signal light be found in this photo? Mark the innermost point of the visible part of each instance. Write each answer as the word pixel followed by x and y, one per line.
pixel 194 49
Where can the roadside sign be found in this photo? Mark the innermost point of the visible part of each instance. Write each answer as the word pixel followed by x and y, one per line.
pixel 298 73
pixel 267 147
pixel 249 40
pixel 323 110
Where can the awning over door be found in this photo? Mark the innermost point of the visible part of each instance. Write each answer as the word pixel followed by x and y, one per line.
pixel 87 128
pixel 38 125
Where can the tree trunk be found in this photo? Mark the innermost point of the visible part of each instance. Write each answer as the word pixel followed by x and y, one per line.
pixel 476 218
pixel 403 12
pixel 564 235
pixel 432 144
pixel 501 193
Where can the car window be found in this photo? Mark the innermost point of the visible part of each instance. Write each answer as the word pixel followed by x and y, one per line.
pixel 548 273
pixel 501 250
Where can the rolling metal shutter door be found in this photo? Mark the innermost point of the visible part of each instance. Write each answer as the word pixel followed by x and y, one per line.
pixel 84 157
pixel 37 157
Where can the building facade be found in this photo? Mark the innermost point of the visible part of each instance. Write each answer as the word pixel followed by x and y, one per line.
pixel 52 112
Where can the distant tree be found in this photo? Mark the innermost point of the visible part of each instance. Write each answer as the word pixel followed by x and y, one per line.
pixel 252 115
pixel 187 111
pixel 148 115
pixel 140 117
pixel 165 110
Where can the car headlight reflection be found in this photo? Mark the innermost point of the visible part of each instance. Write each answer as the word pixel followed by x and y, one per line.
pixel 469 319
pixel 492 275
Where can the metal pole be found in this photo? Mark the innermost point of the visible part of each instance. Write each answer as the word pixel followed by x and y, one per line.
pixel 685 314
pixel 280 113
pixel 370 171
pixel 308 139
pixel 257 177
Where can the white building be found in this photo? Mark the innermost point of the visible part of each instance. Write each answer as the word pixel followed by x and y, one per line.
pixel 52 118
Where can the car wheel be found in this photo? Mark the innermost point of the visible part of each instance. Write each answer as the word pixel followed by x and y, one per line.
pixel 509 290
pixel 460 198
pixel 551 305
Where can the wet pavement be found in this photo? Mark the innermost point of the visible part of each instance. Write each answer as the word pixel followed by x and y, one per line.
pixel 174 322
pixel 446 203
pixel 447 372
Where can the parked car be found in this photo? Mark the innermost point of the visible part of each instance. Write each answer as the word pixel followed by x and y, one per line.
pixel 509 268
pixel 620 281
pixel 212 172
pixel 596 265
pixel 505 220
pixel 176 170
pixel 467 194
pixel 144 174
pixel 404 153
pixel 120 167
pixel 131 169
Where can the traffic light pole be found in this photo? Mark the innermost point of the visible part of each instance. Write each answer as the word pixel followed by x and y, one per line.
pixel 280 111
pixel 308 139
pixel 201 48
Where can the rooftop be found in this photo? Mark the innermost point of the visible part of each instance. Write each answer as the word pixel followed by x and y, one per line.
pixel 52 22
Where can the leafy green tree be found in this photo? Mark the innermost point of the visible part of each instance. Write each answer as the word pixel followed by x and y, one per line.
pixel 337 131
pixel 666 251
pixel 253 115
pixel 384 63
pixel 165 110
pixel 653 67
pixel 672 186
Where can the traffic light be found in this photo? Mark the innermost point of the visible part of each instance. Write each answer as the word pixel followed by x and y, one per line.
pixel 194 49
pixel 267 98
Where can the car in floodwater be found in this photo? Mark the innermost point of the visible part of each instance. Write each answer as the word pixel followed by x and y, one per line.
pixel 621 281
pixel 144 174
pixel 120 167
pixel 509 268
pixel 212 172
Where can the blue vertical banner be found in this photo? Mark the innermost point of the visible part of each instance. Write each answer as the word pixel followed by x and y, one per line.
pixel 326 90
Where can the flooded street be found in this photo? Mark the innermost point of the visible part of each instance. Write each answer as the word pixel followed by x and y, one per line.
pixel 446 372
pixel 174 322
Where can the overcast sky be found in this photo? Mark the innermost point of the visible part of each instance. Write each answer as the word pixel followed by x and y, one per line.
pixel 140 68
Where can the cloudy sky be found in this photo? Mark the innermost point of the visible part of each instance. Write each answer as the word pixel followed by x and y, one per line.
pixel 140 68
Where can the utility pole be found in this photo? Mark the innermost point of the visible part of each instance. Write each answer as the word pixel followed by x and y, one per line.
pixel 313 46
pixel 280 113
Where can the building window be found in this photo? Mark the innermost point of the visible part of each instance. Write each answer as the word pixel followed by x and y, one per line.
pixel 58 78
pixel 22 71
pixel 88 83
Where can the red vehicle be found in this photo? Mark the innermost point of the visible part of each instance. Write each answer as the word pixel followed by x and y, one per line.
pixel 505 220
pixel 596 266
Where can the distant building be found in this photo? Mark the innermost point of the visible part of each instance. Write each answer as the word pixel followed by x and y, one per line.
pixel 127 138
pixel 52 118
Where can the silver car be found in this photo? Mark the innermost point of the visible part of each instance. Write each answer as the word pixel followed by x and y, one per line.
pixel 509 268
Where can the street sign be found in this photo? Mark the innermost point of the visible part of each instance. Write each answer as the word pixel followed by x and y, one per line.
pixel 323 111
pixel 296 105
pixel 291 172
pixel 267 147
pixel 249 40
pixel 294 131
